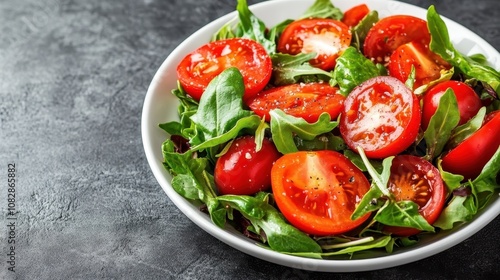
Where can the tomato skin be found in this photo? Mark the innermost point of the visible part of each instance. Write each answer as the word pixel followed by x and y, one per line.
pixel 242 170
pixel 391 32
pixel 328 38
pixel 382 116
pixel 355 14
pixel 306 101
pixel 317 192
pixel 470 156
pixel 413 178
pixel 427 66
pixel 468 101
pixel 197 69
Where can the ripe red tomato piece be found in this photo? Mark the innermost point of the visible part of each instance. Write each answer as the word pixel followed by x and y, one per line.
pixel 468 101
pixel 244 171
pixel 317 192
pixel 391 32
pixel 415 179
pixel 198 68
pixel 470 156
pixel 306 101
pixel 328 38
pixel 382 116
pixel 355 14
pixel 427 64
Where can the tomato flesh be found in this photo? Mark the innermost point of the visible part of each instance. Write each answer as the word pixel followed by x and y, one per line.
pixel 415 179
pixel 244 171
pixel 328 38
pixel 198 68
pixel 468 101
pixel 317 192
pixel 427 67
pixel 306 101
pixel 391 32
pixel 382 116
pixel 470 156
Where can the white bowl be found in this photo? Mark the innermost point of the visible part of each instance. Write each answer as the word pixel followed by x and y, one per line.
pixel 161 106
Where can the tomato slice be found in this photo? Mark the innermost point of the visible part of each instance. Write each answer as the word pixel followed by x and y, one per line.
pixel 244 171
pixel 328 38
pixel 317 192
pixel 198 68
pixel 427 66
pixel 382 116
pixel 415 179
pixel 391 32
pixel 305 101
pixel 470 156
pixel 355 14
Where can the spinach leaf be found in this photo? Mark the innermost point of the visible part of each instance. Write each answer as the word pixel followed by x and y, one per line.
pixel 442 45
pixel 284 127
pixel 441 125
pixel 323 9
pixel 291 69
pixel 280 235
pixel 221 105
pixel 353 68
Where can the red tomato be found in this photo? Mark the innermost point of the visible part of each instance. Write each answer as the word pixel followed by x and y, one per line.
pixel 415 179
pixel 391 32
pixel 355 14
pixel 317 192
pixel 468 101
pixel 382 116
pixel 328 38
pixel 242 170
pixel 198 68
pixel 306 101
pixel 427 66
pixel 470 156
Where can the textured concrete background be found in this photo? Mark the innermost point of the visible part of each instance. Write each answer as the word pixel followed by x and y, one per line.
pixel 73 76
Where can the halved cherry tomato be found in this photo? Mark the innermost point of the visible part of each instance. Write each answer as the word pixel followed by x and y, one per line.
pixel 470 156
pixel 382 116
pixel 306 101
pixel 355 14
pixel 328 38
pixel 391 32
pixel 468 101
pixel 244 171
pixel 317 192
pixel 415 179
pixel 198 68
pixel 427 64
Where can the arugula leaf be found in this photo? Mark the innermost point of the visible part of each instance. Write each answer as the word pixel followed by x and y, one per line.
pixel 284 127
pixel 360 31
pixel 323 9
pixel 445 75
pixel 289 69
pixel 402 213
pixel 327 141
pixel 486 183
pixel 252 27
pixel 221 105
pixel 280 235
pixel 462 132
pixel 452 181
pixel 351 69
pixel 459 209
pixel 442 45
pixel 442 123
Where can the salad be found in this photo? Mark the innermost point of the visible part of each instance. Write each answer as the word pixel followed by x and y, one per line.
pixel 336 132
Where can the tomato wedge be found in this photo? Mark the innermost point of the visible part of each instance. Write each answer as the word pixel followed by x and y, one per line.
pixel 391 32
pixel 470 156
pixel 415 179
pixel 355 14
pixel 317 192
pixel 427 66
pixel 382 116
pixel 305 101
pixel 328 38
pixel 198 68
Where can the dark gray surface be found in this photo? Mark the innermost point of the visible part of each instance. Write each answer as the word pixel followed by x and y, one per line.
pixel 72 83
